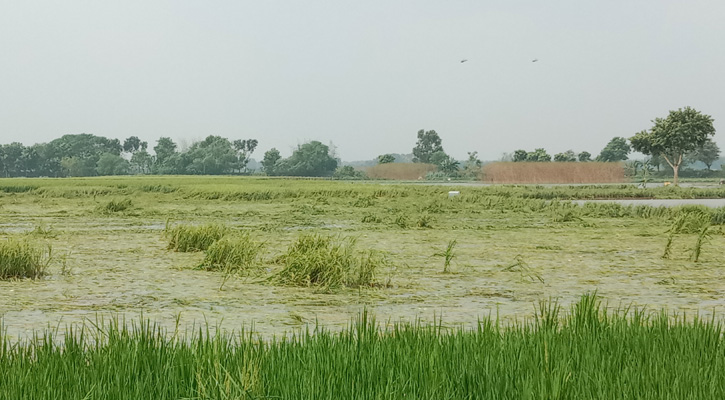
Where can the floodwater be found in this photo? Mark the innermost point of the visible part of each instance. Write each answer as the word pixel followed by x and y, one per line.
pixel 118 267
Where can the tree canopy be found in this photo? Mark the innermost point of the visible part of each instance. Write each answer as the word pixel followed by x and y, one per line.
pixel 682 131
pixel 616 150
pixel 428 144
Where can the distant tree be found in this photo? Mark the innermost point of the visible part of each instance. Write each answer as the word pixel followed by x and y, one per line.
pixel 538 155
pixel 472 166
pixel 244 149
pixel 85 150
pixel 683 131
pixel 348 172
pixel 473 160
pixel 386 158
pixel 585 156
pixel 520 155
pixel 309 159
pixel 708 153
pixel 214 155
pixel 428 143
pixel 141 161
pixel 567 156
pixel 132 144
pixel 12 159
pixel 167 160
pixel 164 149
pixel 616 150
pixel 111 164
pixel 270 161
pixel 72 166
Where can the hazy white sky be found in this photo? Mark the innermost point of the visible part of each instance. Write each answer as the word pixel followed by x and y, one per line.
pixel 366 75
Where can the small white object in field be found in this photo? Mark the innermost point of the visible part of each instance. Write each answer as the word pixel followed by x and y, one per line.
pixel 453 193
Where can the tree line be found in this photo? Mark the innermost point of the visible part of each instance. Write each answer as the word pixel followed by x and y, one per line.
pixel 684 136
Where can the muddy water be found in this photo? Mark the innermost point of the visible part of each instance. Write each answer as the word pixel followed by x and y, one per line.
pixel 119 267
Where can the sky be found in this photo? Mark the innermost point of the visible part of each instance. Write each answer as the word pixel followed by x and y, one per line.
pixel 363 75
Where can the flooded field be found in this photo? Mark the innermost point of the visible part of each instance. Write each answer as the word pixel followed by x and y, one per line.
pixel 511 251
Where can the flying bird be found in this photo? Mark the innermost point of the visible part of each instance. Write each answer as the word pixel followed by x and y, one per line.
pixel 535 60
pixel 464 60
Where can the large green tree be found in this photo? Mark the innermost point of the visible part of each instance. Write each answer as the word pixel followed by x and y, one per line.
pixel 270 162
pixel 683 131
pixel 309 159
pixel 428 144
pixel 616 150
pixel 214 155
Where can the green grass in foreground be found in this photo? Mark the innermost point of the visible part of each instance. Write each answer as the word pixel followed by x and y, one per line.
pixel 589 354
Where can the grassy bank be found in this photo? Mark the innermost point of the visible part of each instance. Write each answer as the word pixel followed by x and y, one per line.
pixel 589 353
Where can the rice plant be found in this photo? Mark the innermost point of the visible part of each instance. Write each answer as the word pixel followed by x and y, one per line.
pixel 115 206
pixel 523 268
pixel 232 253
pixel 587 352
pixel 447 255
pixel 21 258
pixel 329 262
pixel 187 238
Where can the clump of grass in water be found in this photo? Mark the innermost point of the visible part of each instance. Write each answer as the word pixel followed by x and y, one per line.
pixel 115 206
pixel 21 258
pixel 186 238
pixel 329 262
pixel 232 253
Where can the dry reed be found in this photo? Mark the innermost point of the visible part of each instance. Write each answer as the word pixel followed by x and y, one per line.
pixel 400 171
pixel 553 172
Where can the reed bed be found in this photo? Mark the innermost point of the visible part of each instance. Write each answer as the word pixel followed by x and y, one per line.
pixel 554 172
pixel 188 238
pixel 587 353
pixel 22 258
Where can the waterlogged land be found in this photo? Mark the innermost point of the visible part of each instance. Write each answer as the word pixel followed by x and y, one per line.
pixel 513 247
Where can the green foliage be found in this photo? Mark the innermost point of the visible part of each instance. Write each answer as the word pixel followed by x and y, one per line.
pixel 428 144
pixel 270 162
pixel 447 255
pixel 708 153
pixel 232 253
pixel 567 156
pixel 616 150
pixel 188 238
pixel 21 258
pixel 111 164
pixel 584 156
pixel 348 172
pixel 386 158
pixel 590 352
pixel 683 131
pixel 329 262
pixel 520 155
pixel 538 155
pixel 309 159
